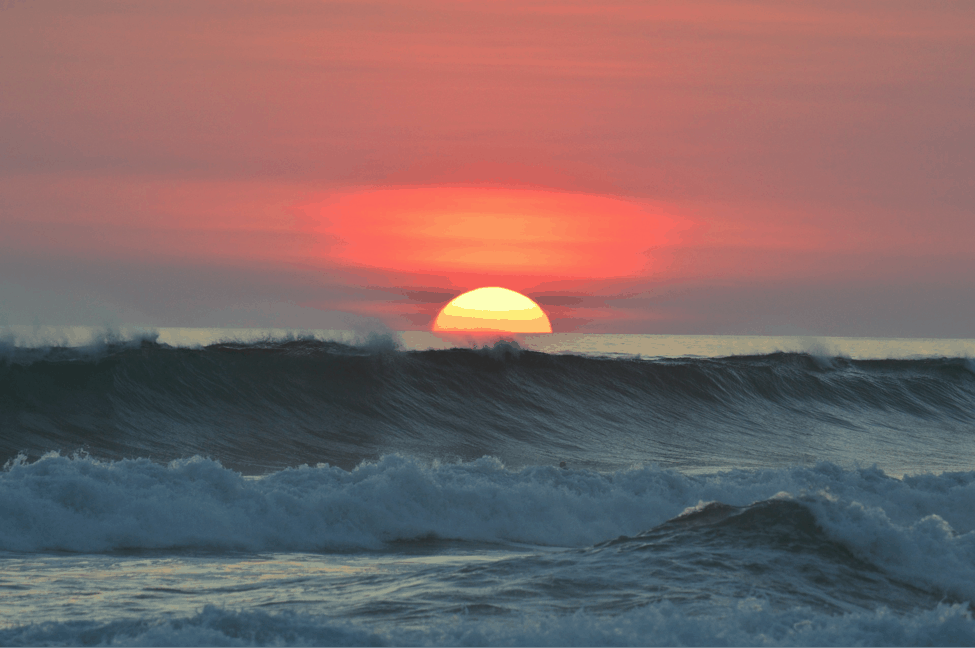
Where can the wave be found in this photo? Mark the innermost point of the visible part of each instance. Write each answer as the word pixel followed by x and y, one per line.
pixel 918 529
pixel 753 623
pixel 264 406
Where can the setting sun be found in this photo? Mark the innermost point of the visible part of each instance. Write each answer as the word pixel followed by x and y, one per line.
pixel 493 309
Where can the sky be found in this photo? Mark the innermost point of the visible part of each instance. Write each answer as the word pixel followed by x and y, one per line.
pixel 669 167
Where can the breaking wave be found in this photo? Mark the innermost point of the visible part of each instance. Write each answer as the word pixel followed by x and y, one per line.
pixel 919 529
pixel 265 406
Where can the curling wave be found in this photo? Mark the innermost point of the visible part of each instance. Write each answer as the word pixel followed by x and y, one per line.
pixel 266 406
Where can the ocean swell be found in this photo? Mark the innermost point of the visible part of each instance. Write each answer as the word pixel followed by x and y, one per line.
pixel 263 407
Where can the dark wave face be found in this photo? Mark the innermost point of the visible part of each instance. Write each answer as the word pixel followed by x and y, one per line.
pixel 719 555
pixel 261 407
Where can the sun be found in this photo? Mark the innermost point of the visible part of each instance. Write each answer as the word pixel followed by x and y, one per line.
pixel 492 309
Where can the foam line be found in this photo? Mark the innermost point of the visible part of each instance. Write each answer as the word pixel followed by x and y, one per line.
pixel 919 528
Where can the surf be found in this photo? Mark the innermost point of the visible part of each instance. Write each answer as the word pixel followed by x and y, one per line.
pixel 268 405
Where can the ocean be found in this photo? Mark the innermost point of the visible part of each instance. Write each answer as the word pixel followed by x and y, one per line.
pixel 233 487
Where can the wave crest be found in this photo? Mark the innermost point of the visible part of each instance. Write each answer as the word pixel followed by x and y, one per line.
pixel 265 406
pixel 921 529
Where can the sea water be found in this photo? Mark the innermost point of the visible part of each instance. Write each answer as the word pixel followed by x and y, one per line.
pixel 208 487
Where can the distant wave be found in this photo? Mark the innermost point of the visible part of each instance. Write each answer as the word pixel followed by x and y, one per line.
pixel 920 529
pixel 265 406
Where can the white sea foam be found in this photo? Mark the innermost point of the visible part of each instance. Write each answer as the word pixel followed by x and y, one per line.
pixel 919 528
pixel 753 623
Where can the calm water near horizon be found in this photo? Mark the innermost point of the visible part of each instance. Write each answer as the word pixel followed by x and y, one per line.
pixel 625 344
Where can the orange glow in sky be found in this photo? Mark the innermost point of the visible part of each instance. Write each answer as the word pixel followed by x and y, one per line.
pixel 491 230
pixel 634 167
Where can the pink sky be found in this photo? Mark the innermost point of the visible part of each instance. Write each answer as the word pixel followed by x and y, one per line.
pixel 645 167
